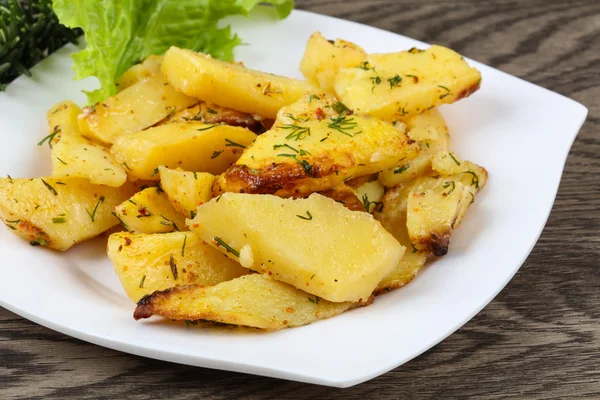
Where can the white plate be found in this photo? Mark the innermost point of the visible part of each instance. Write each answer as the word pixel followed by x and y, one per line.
pixel 520 132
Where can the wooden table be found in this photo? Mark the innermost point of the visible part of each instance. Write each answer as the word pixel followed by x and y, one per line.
pixel 539 338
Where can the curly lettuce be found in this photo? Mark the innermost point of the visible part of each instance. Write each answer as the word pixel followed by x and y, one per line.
pixel 120 33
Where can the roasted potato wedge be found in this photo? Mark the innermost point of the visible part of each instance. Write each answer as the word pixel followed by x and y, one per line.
pixel 76 156
pixel 147 263
pixel 138 107
pixel 315 145
pixel 398 86
pixel 392 215
pixel 325 249
pixel 323 59
pixel 435 207
pixel 252 300
pixel 186 190
pixel 59 212
pixel 193 146
pixel 150 211
pixel 431 133
pixel 148 68
pixel 230 85
pixel 448 164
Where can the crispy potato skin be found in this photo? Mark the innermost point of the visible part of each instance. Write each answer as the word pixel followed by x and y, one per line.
pixel 253 300
pixel 345 195
pixel 214 114
pixel 334 147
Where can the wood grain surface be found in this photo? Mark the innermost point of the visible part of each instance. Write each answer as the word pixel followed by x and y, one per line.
pixel 540 338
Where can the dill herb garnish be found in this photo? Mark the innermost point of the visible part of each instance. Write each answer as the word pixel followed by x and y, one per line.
pixel 50 137
pixel 451 185
pixel 367 204
pixel 344 125
pixel 207 127
pixel 446 89
pixel 454 158
pixel 229 143
pixel 401 169
pixel 93 213
pixel 173 267
pixel 227 247
pixel 474 180
pixel 50 188
pixel 394 81
pixel 309 217
pixel 297 132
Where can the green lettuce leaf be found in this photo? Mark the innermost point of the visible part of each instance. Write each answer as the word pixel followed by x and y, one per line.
pixel 120 33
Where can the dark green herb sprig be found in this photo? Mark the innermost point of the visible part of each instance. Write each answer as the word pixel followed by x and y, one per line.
pixel 29 32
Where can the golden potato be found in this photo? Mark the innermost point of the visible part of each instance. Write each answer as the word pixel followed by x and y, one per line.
pixel 314 244
pixel 62 117
pixel 76 156
pixel 435 207
pixel 230 85
pixel 448 164
pixel 150 211
pixel 148 68
pixel 323 59
pixel 138 107
pixel 251 300
pixel 315 145
pixel 430 131
pixel 186 190
pixel 59 212
pixel 147 263
pixel 392 216
pixel 193 146
pixel 398 86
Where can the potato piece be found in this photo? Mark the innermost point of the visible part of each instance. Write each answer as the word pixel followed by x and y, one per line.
pixel 147 263
pixel 186 190
pixel 323 248
pixel 59 212
pixel 230 85
pixel 214 114
pixel 315 145
pixel 62 118
pixel 84 159
pixel 393 218
pixel 251 300
pixel 138 107
pixel 435 207
pixel 470 174
pixel 193 146
pixel 398 86
pixel 430 131
pixel 150 211
pixel 148 68
pixel 323 59
pixel 76 156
